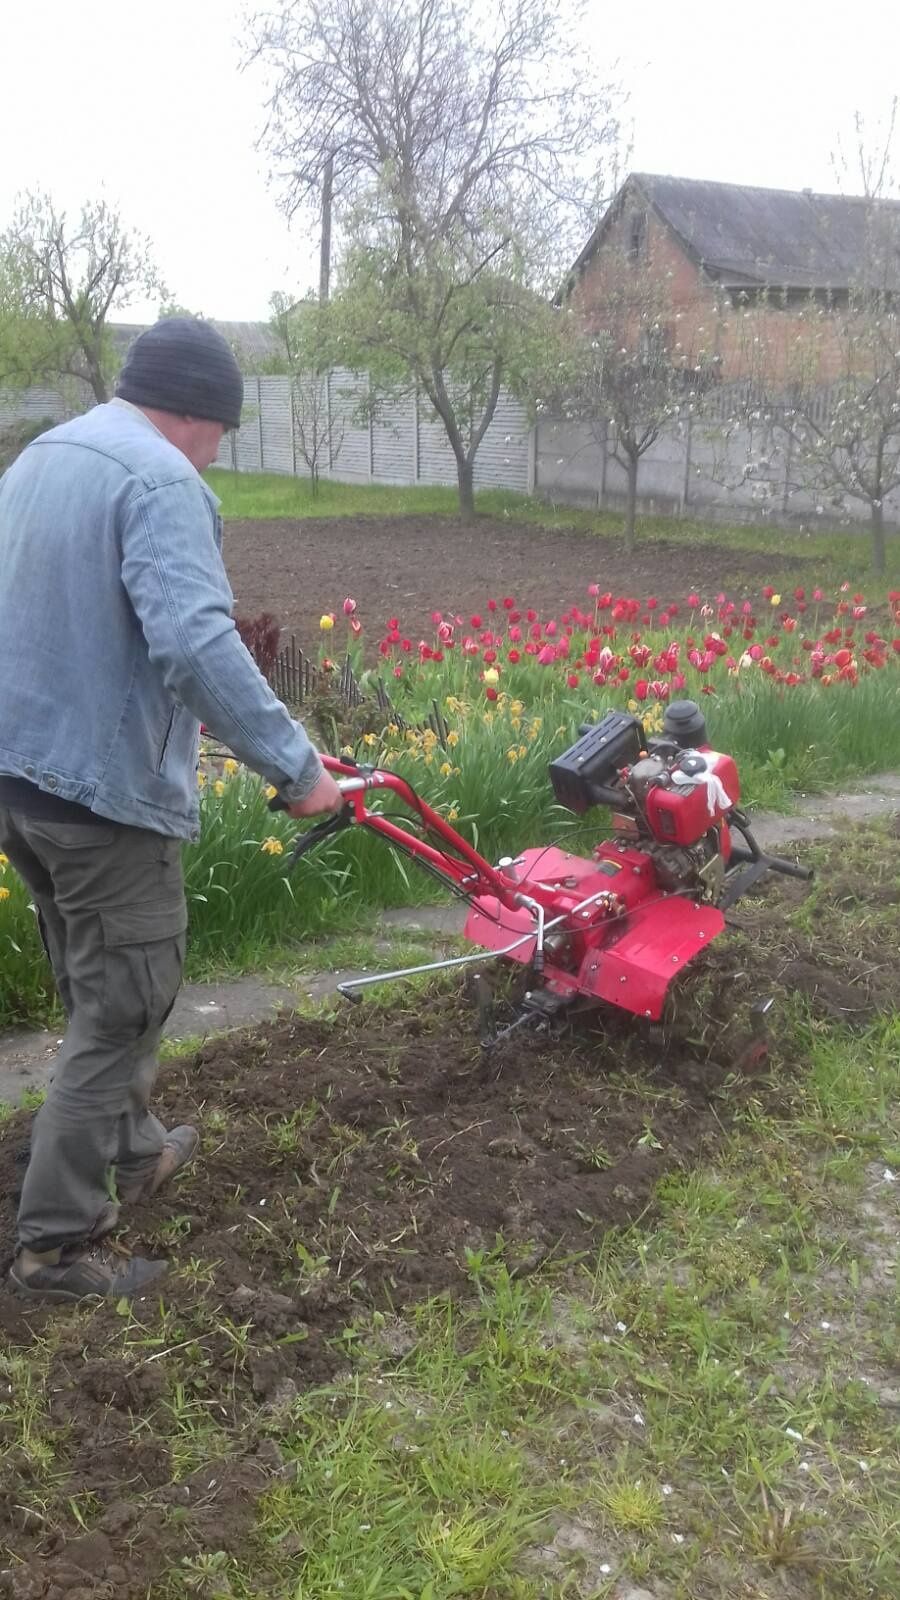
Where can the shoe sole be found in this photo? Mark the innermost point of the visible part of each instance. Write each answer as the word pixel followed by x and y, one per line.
pixel 24 1291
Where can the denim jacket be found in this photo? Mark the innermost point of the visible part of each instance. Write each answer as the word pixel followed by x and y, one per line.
pixel 116 632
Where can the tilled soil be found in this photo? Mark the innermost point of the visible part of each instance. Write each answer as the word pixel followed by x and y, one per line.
pixel 409 567
pixel 355 1162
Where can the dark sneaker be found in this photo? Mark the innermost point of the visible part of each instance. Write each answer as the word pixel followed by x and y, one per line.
pixel 180 1147
pixel 84 1272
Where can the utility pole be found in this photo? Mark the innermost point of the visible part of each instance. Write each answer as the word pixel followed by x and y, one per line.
pixel 325 247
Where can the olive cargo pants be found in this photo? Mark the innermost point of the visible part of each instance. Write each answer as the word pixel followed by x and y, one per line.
pixel 111 904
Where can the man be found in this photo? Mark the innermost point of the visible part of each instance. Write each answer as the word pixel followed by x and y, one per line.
pixel 116 642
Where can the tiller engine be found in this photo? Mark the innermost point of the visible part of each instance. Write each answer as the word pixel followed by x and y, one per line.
pixel 618 926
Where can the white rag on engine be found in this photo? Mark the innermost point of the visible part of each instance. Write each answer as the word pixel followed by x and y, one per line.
pixel 717 796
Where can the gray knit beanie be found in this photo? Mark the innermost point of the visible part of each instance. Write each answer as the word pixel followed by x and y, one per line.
pixel 184 365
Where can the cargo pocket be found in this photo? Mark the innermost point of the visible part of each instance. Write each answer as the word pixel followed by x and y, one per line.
pixel 144 950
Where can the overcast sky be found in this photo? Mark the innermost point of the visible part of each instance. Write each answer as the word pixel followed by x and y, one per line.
pixel 146 103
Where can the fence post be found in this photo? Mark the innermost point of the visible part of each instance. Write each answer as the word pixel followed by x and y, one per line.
pixel 685 487
pixel 328 420
pixel 293 428
pixel 415 433
pixel 788 466
pixel 601 487
pixel 259 432
pixel 532 459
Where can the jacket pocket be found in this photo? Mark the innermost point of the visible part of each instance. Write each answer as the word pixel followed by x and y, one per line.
pixel 167 739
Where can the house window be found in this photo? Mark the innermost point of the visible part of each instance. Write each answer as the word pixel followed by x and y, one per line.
pixel 637 228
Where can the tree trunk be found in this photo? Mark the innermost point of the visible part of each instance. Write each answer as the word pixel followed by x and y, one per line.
pixel 631 503
pixel 98 383
pixel 465 472
pixel 878 546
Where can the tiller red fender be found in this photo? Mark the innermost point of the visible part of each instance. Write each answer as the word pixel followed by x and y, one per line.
pixel 617 927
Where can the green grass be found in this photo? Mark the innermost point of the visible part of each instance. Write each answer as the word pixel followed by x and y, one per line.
pixel 832 556
pixel 707 1407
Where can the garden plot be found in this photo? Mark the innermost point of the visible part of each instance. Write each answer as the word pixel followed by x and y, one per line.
pixel 365 1173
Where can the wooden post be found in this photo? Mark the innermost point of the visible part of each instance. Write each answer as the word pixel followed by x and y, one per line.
pixel 325 245
pixel 259 432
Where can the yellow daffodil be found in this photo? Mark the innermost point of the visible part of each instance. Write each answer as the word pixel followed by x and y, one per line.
pixel 201 780
pixel 516 707
pixel 369 739
pixel 230 766
pixel 452 814
pixel 446 769
pixel 272 846
pixel 4 861
pixel 4 894
pixel 218 787
pixel 392 729
pixel 453 738
pixel 271 791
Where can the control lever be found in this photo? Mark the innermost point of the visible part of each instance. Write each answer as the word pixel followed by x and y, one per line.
pixel 334 823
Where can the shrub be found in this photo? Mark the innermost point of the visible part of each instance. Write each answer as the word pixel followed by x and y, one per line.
pixel 16 435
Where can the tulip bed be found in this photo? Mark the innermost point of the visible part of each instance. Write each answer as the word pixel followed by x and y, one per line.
pixel 803 690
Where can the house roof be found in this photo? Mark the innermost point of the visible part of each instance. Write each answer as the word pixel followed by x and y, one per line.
pixel 781 237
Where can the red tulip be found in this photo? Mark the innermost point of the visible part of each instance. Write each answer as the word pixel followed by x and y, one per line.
pixel 573 680
pixel 641 689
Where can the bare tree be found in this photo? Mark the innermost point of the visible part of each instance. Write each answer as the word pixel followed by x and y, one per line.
pixel 306 337
pixel 828 396
pixel 630 375
pixel 466 160
pixel 62 281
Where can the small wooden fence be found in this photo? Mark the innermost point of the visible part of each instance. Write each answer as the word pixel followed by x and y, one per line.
pixel 295 679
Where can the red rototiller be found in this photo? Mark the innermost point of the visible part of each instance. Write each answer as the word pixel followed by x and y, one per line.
pixel 616 927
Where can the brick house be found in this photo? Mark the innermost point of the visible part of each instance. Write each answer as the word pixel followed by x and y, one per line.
pixel 741 265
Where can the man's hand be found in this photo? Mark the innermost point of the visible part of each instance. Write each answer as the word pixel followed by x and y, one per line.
pixel 326 796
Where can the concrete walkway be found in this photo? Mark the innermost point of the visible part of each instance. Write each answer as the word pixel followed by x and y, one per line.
pixel 207 1008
